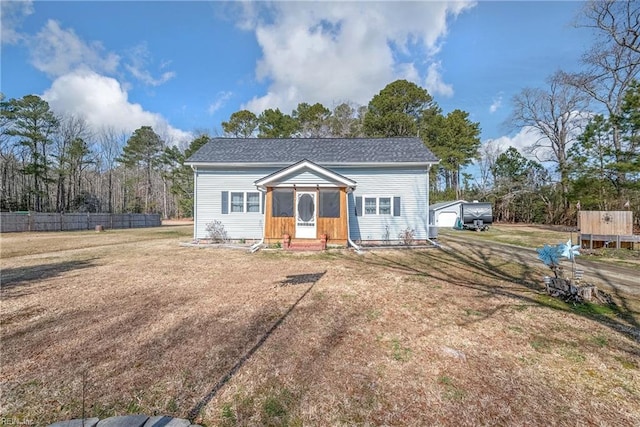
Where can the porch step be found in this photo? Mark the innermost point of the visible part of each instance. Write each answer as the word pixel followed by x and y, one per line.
pixel 308 245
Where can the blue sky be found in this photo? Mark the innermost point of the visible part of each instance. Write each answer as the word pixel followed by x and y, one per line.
pixel 184 67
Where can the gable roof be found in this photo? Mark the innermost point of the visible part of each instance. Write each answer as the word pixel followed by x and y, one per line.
pixel 327 151
pixel 273 178
pixel 443 205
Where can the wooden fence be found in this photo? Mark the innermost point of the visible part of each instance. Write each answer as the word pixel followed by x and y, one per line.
pixel 11 222
pixel 606 222
pixel 607 229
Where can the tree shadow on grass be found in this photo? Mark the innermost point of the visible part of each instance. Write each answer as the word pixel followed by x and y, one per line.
pixel 16 280
pixel 479 268
pixel 298 279
pixel 210 349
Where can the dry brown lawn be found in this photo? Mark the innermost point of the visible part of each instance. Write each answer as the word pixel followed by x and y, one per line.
pixel 414 337
pixel 536 236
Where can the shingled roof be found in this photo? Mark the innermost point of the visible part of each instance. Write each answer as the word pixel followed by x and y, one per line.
pixel 318 150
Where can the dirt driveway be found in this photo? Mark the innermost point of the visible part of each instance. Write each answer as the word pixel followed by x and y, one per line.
pixel 609 277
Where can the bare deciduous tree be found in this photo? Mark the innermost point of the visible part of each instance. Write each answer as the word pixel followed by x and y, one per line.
pixel 558 115
pixel 72 155
pixel 111 142
pixel 613 63
pixel 489 152
pixel 618 20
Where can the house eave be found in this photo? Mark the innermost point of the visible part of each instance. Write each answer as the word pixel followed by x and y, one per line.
pixel 220 165
pixel 333 179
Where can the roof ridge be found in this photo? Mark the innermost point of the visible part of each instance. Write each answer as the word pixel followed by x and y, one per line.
pixel 226 150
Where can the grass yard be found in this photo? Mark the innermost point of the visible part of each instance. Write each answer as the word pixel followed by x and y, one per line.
pixel 531 236
pixel 424 337
pixel 536 236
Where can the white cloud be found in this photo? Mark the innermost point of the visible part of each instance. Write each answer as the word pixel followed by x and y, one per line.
pixel 323 51
pixel 497 103
pixel 57 51
pixel 523 141
pixel 140 57
pixel 220 101
pixel 434 83
pixel 12 13
pixel 103 102
pixel 82 85
pixel 525 138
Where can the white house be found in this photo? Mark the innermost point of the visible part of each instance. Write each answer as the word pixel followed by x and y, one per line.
pixel 352 190
pixel 445 214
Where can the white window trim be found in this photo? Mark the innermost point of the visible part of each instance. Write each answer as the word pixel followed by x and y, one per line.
pixel 377 197
pixel 245 202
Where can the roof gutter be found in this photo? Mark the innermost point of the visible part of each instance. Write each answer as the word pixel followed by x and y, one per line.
pixel 324 164
pixel 436 244
pixel 356 247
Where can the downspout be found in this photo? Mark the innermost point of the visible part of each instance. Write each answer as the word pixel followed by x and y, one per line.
pixel 436 244
pixel 195 202
pixel 356 247
pixel 256 246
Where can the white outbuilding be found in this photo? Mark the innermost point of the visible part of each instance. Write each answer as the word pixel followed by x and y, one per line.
pixel 445 214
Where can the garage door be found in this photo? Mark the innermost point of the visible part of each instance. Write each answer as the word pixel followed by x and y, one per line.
pixel 447 219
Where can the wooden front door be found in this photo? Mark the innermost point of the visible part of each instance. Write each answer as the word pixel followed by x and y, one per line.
pixel 306 213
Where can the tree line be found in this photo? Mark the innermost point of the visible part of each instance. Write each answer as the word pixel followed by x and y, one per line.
pixel 586 154
pixel 56 163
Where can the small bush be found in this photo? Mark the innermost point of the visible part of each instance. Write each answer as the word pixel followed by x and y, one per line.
pixel 407 236
pixel 216 232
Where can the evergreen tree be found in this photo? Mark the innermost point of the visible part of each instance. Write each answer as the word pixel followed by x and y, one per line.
pixel 143 152
pixel 456 141
pixel 181 176
pixel 313 120
pixel 33 125
pixel 276 124
pixel 397 110
pixel 241 124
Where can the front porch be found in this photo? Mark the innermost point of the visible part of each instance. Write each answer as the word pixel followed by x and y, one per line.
pixel 305 203
pixel 303 223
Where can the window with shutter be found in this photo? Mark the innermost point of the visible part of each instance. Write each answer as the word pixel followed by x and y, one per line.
pixel 384 206
pixel 237 202
pixel 378 205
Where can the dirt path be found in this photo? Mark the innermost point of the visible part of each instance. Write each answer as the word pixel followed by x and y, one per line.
pixel 611 278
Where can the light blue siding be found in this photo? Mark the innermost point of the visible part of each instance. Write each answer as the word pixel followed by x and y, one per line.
pixel 410 184
pixel 210 183
pixel 305 178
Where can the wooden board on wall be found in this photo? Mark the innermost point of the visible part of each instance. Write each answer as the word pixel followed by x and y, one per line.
pixel 276 227
pixel 336 228
pixel 606 222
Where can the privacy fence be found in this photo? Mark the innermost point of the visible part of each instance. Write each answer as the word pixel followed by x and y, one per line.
pixel 39 221
pixel 607 229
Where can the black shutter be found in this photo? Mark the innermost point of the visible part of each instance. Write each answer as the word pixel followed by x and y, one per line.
pixel 263 201
pixel 396 206
pixel 225 202
pixel 358 206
